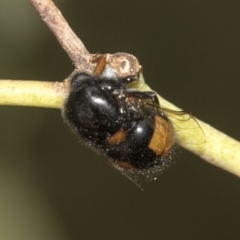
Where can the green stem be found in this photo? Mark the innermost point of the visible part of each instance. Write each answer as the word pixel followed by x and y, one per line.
pixel 31 93
pixel 212 146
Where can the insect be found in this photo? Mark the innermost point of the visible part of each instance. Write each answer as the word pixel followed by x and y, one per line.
pixel 127 126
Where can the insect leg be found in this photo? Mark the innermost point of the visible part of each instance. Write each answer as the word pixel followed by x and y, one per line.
pixel 100 59
pixel 147 96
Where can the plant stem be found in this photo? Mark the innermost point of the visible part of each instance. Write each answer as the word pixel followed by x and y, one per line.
pixel 31 93
pixel 53 18
pixel 212 146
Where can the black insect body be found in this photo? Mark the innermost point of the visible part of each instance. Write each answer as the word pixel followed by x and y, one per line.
pixel 123 124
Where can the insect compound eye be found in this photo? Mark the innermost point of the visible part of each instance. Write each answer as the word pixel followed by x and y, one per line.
pixel 78 79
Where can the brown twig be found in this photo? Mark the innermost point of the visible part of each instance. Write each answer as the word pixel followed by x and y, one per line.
pixel 119 64
pixel 53 18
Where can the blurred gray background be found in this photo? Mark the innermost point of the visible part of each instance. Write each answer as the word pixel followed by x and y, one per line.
pixel 51 187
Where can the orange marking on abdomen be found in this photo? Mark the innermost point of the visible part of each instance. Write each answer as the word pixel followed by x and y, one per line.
pixel 117 137
pixel 162 138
